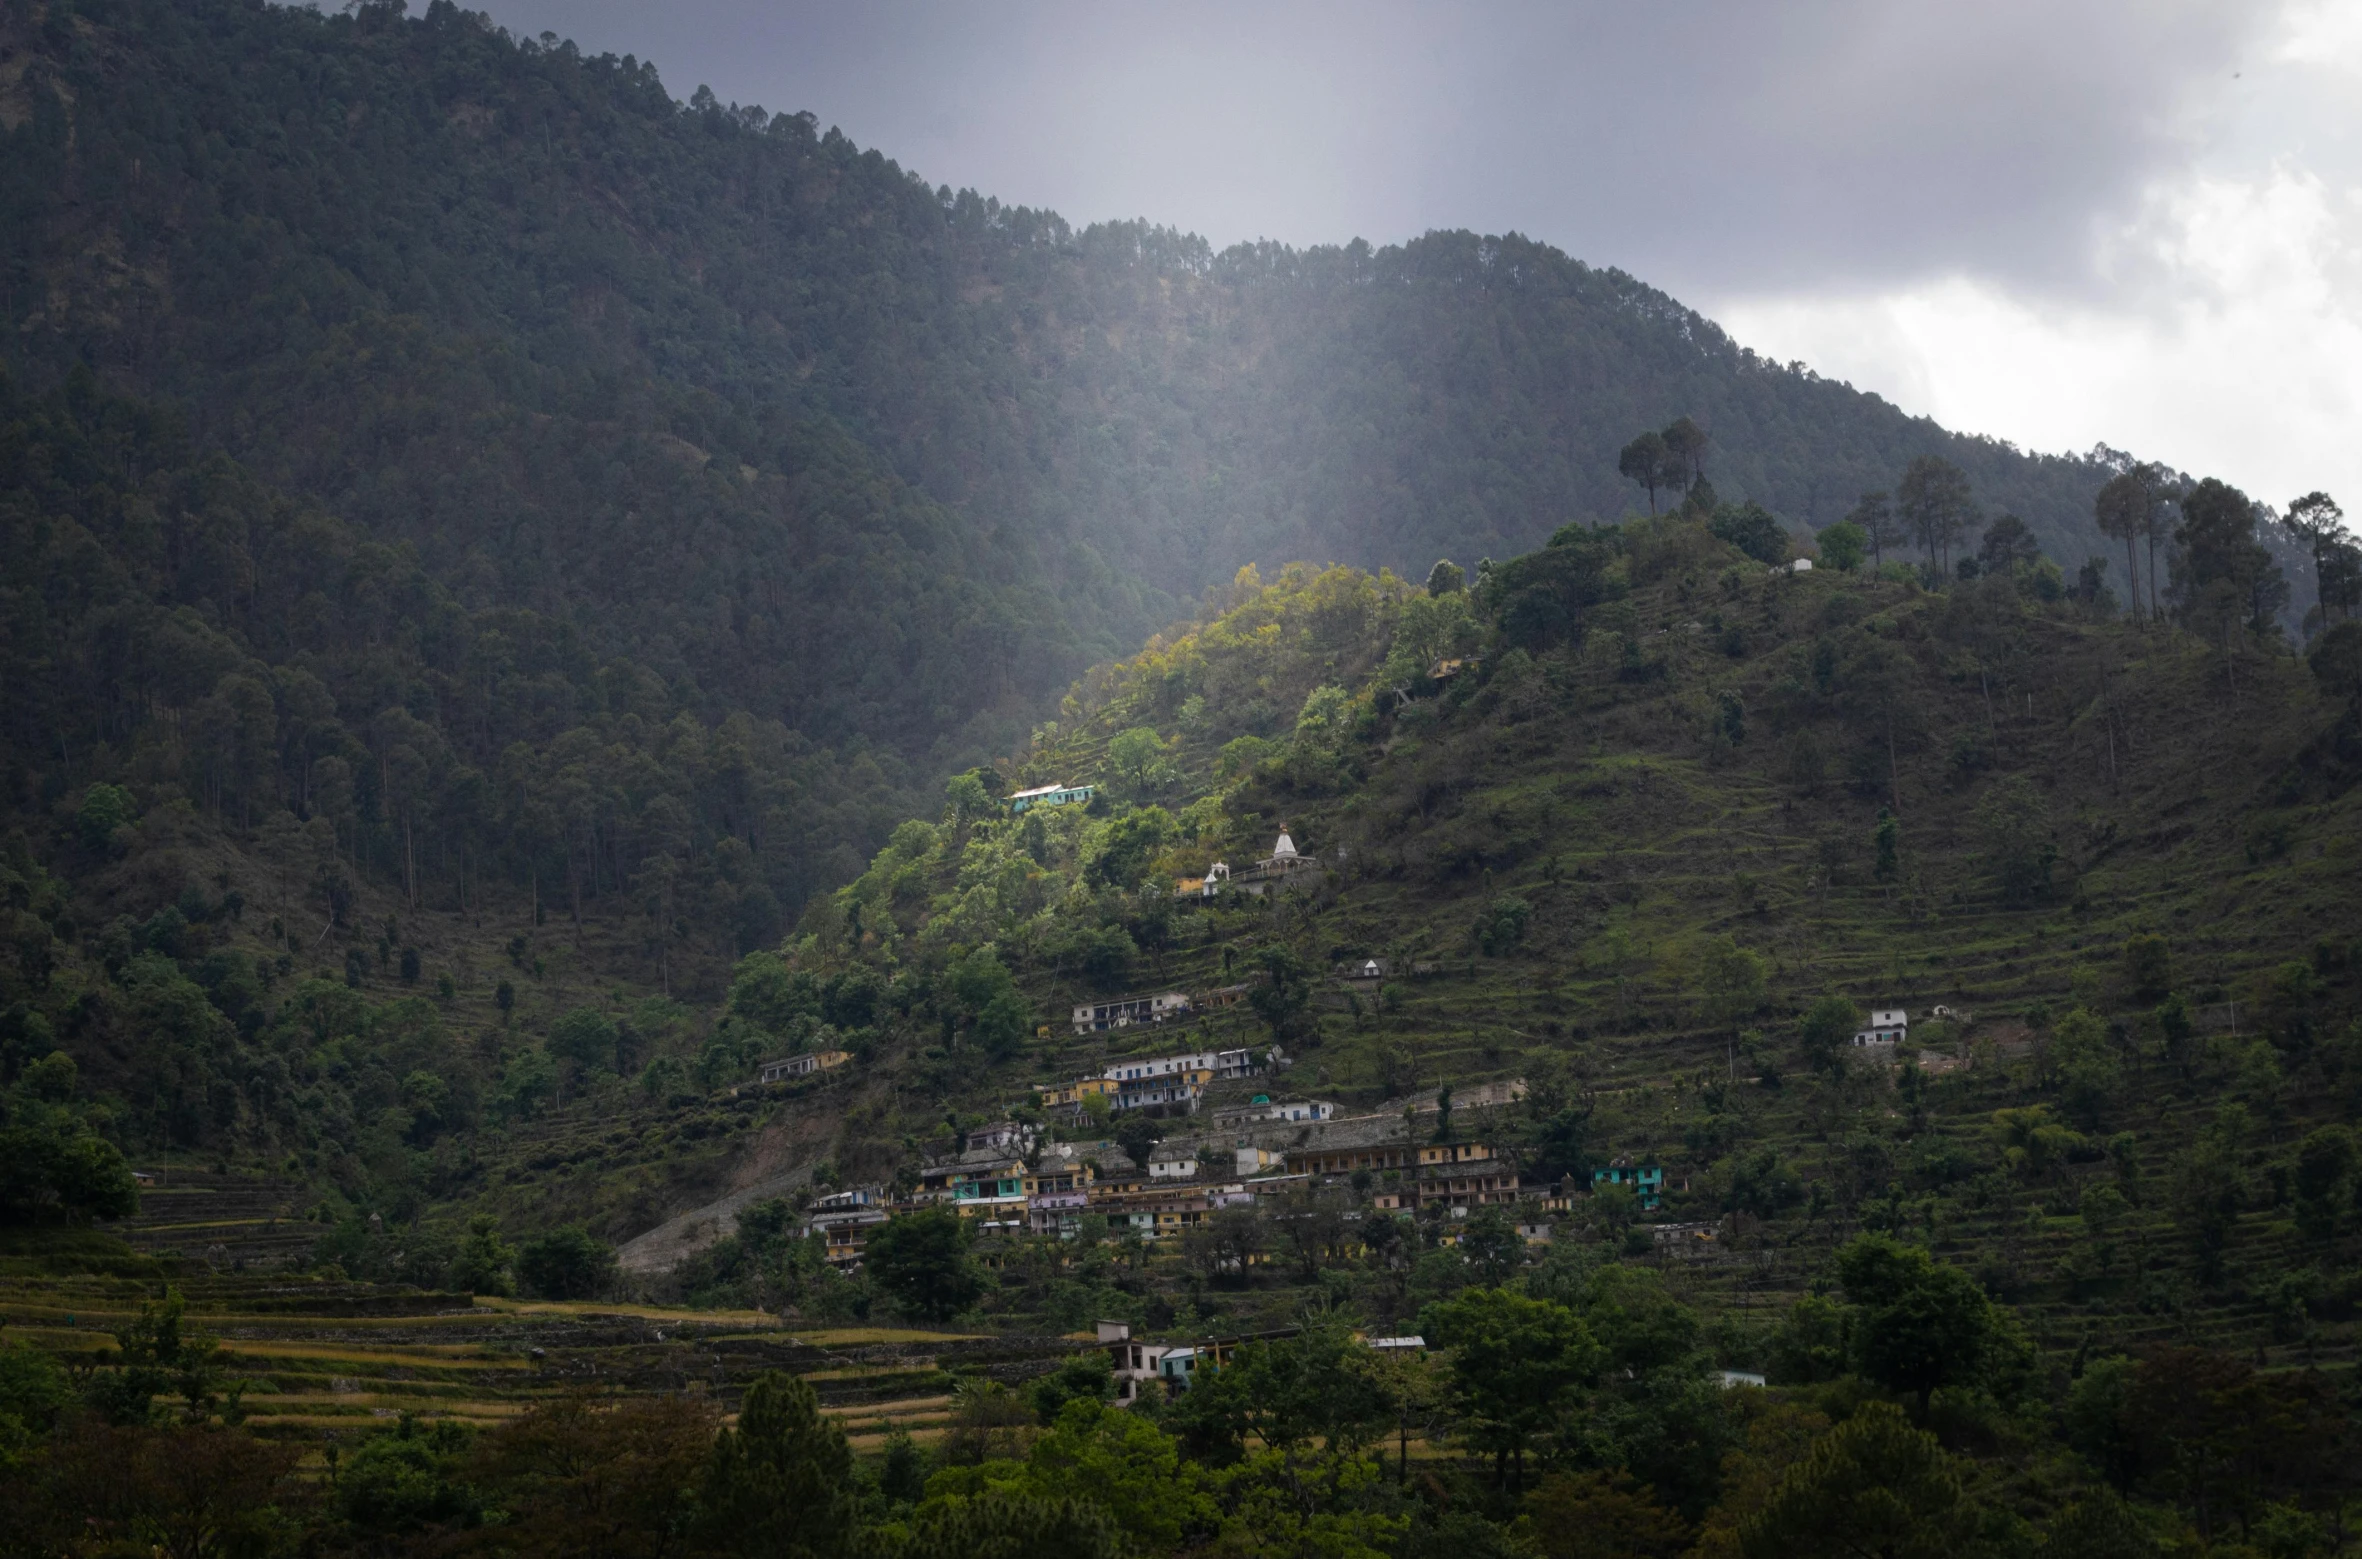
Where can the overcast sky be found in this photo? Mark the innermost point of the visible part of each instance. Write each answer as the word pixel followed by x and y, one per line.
pixel 2059 222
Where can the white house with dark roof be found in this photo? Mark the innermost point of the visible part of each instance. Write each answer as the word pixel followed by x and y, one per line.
pixel 1888 1026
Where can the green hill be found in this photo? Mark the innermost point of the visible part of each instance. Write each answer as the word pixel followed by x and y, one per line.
pixel 1667 807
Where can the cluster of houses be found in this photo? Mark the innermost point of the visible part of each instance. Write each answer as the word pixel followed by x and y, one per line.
pixel 1012 1183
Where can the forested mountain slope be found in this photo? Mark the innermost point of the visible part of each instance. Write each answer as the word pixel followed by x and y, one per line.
pixel 593 349
pixel 1631 856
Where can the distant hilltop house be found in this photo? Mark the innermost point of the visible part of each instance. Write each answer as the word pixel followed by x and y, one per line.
pixel 1096 1017
pixel 1050 796
pixel 804 1065
pixel 1888 1026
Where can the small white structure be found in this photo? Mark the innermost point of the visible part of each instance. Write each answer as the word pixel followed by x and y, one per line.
pixel 1173 1164
pixel 1801 566
pixel 1396 1344
pixel 1888 1026
pixel 1732 1378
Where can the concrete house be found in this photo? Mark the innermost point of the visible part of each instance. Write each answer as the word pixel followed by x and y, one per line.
pixel 804 1065
pixel 1097 1017
pixel 1647 1179
pixel 1888 1025
pixel 1002 1134
pixel 1050 796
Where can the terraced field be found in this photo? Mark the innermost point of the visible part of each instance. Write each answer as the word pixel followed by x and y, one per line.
pixel 324 1360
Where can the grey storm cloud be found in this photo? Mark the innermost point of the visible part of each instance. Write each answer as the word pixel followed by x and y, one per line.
pixel 1712 147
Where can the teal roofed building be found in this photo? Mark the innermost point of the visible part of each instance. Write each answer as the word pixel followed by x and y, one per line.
pixel 1647 1180
pixel 1051 796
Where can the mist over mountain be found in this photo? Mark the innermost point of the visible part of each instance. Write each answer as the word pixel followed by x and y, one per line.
pixel 755 402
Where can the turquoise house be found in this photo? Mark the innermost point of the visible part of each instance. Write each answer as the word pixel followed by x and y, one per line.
pixel 1647 1180
pixel 1051 796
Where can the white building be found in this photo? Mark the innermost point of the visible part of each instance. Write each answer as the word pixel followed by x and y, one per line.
pixel 1124 1011
pixel 1173 1164
pixel 1265 1109
pixel 1888 1025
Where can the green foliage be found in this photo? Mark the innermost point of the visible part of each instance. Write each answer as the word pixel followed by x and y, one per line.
pixel 1501 927
pixel 2325 1164
pixel 1138 758
pixel 59 1170
pixel 568 1262
pixel 2224 576
pixel 1826 1033
pixel 768 994
pixel 485 1261
pixel 2014 820
pixel 1138 1136
pixel 105 808
pixel 1001 1525
pixel 1284 998
pixel 921 1261
pixel 585 1038
pixel 1810 1344
pixel 2087 1065
pixel 1127 845
pixel 781 1481
pixel 1843 546
pixel 1752 529
pixel 1920 1325
pixel 34 1392
pixel 2336 662
pixel 155 1355
pixel 1732 980
pixel 1546 597
pixel 408 1479
pixel 1872 1485
pixel 2148 966
pixel 1514 1359
pixel 1087 1377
